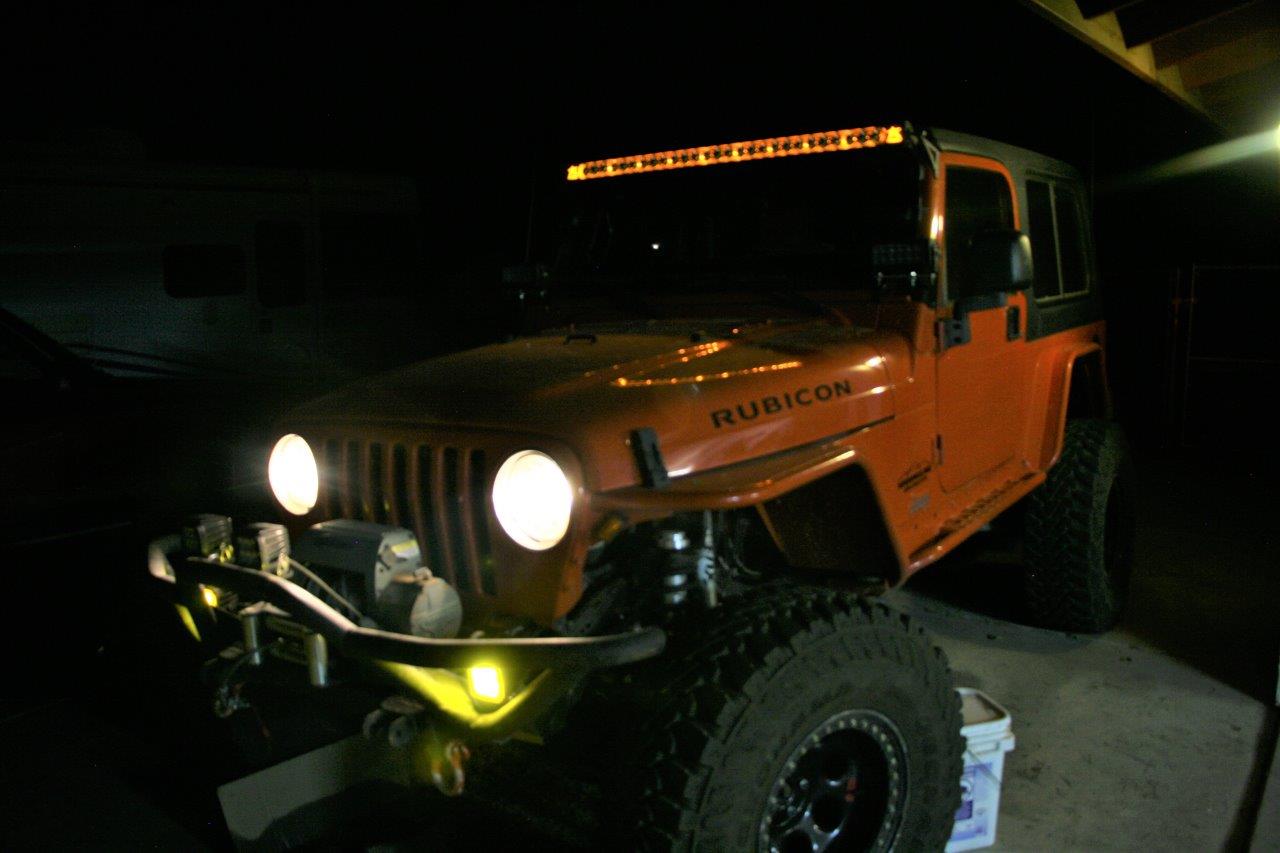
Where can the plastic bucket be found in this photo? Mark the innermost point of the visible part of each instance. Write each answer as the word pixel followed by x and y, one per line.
pixel 988 734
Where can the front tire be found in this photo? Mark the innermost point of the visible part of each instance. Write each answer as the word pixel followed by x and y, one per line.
pixel 800 719
pixel 1080 532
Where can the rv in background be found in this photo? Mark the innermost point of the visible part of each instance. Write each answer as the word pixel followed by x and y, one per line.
pixel 275 276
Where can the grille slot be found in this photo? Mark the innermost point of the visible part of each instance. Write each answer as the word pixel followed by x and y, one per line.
pixel 378 504
pixel 456 534
pixel 353 502
pixel 331 472
pixel 440 493
pixel 427 525
pixel 403 514
pixel 479 493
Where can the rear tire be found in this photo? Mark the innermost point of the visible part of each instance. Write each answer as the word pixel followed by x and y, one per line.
pixel 791 713
pixel 1080 532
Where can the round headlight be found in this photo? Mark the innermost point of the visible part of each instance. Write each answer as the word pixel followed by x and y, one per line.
pixel 293 475
pixel 533 500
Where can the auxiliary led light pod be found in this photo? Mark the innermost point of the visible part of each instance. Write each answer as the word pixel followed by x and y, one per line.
pixel 757 149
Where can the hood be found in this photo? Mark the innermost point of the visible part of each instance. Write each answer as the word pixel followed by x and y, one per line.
pixel 711 402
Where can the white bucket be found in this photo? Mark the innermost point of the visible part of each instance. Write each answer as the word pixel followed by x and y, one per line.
pixel 988 734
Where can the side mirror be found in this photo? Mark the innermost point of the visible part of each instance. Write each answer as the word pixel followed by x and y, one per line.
pixel 1000 261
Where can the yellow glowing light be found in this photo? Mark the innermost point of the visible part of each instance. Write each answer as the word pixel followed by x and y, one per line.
pixel 533 500
pixel 292 472
pixel 1278 137
pixel 759 149
pixel 486 684
pixel 209 596
pixel 188 621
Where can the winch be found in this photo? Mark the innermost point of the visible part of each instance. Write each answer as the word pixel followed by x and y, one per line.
pixel 374 571
pixel 379 569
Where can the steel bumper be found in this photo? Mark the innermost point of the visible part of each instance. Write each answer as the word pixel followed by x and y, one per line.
pixel 181 580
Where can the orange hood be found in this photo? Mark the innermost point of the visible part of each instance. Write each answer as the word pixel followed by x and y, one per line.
pixel 711 401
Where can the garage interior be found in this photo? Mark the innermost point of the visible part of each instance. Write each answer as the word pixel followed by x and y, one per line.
pixel 1160 734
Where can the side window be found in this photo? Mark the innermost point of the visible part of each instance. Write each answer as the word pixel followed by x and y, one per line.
pixel 281 256
pixel 192 271
pixel 1044 248
pixel 977 200
pixel 1075 270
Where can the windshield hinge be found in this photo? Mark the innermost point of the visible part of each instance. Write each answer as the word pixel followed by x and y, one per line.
pixel 952 332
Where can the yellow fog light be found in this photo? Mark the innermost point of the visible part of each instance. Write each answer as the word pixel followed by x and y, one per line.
pixel 209 596
pixel 485 683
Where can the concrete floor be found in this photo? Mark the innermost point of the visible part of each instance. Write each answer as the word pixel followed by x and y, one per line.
pixel 1157 736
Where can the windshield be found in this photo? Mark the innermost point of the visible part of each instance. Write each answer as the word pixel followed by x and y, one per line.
pixel 788 222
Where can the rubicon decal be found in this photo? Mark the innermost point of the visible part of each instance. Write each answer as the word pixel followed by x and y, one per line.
pixel 777 403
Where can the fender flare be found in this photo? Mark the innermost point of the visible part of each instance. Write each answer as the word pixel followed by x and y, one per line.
pixel 754 482
pixel 1055 372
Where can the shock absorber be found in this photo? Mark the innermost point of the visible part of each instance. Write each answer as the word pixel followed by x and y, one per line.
pixel 706 559
pixel 675 584
pixel 687 565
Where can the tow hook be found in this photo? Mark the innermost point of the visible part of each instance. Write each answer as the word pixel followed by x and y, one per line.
pixel 402 721
pixel 227 700
pixel 447 762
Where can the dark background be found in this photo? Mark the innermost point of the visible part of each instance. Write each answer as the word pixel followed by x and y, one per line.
pixel 484 106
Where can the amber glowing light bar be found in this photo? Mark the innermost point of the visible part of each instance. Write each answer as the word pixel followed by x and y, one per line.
pixel 732 152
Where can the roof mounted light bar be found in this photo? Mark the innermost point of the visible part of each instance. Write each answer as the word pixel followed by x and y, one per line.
pixel 734 152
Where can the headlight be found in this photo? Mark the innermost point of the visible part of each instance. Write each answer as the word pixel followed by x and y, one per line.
pixel 533 500
pixel 293 475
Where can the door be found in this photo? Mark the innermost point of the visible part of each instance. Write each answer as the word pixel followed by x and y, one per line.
pixel 980 373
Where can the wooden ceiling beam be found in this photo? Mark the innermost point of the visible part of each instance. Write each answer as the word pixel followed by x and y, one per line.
pixel 1254 50
pixel 1094 8
pixel 1104 35
pixel 1223 29
pixel 1143 23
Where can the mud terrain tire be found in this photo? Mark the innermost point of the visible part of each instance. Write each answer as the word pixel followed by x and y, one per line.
pixel 1080 530
pixel 787 691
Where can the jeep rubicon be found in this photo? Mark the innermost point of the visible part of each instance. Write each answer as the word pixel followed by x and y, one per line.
pixel 773 377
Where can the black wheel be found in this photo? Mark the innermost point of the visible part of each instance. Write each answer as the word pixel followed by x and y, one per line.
pixel 799 719
pixel 1080 532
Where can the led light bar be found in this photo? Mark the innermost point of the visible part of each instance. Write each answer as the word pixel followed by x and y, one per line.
pixel 734 152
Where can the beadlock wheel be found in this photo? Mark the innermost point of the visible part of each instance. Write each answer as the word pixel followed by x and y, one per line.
pixel 844 787
pixel 794 718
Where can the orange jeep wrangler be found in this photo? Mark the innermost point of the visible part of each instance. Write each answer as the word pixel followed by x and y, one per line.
pixel 773 377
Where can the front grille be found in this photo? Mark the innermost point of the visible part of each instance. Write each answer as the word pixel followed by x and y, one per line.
pixel 437 492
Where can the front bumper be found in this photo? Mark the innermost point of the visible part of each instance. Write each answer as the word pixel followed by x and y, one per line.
pixel 426 666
